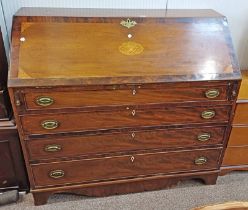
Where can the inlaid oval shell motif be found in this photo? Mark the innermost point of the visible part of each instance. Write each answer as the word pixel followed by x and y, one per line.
pixel 131 48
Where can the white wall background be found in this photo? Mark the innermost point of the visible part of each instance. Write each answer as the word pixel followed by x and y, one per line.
pixel 235 10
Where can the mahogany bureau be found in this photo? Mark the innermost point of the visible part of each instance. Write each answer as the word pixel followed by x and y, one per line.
pixel 236 155
pixel 118 101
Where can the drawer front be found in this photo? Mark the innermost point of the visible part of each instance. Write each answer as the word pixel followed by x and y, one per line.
pixel 80 121
pixel 236 156
pixel 238 136
pixel 48 99
pixel 241 114
pixel 126 141
pixel 119 167
pixel 7 175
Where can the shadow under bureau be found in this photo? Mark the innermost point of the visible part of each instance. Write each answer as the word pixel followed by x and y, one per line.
pixel 119 101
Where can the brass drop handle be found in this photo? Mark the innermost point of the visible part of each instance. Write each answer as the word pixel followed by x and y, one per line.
pixel 204 137
pixel 134 112
pixel 56 174
pixel 213 93
pixel 134 92
pixel 53 148
pixel 201 161
pixel 208 114
pixel 44 101
pixel 132 159
pixel 50 124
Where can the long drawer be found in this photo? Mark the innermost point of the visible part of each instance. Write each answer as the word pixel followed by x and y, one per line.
pixel 80 121
pixel 115 95
pixel 127 166
pixel 124 141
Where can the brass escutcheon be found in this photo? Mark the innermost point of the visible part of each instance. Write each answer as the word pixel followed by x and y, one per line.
pixel 204 137
pixel 56 174
pixel 133 135
pixel 201 161
pixel 213 93
pixel 208 114
pixel 128 23
pixel 50 124
pixel 53 148
pixel 44 101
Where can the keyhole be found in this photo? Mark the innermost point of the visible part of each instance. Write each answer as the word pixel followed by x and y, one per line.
pixel 132 159
pixel 133 112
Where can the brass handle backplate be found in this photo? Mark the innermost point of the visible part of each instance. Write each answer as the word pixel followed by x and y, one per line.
pixel 204 137
pixel 53 148
pixel 213 93
pixel 208 114
pixel 44 101
pixel 201 161
pixel 56 174
pixel 50 124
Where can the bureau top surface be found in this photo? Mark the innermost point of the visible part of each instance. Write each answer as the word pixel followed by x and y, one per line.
pixel 73 46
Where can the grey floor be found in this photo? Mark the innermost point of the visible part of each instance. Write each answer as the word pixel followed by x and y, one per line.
pixel 187 195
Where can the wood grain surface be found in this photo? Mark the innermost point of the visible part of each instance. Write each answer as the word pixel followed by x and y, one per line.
pixel 121 119
pixel 119 167
pixel 132 95
pixel 83 121
pixel 87 57
pixel 72 146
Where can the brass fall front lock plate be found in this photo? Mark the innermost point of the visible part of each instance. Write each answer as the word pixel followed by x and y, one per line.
pixel 128 23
